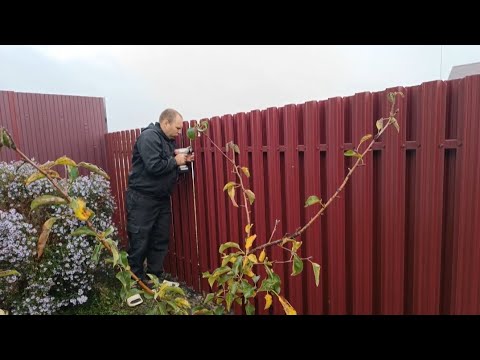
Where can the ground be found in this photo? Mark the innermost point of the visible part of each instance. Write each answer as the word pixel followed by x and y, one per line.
pixel 105 300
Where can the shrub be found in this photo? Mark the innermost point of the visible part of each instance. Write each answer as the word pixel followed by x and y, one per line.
pixel 63 275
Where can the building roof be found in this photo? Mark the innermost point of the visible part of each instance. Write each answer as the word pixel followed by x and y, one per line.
pixel 460 71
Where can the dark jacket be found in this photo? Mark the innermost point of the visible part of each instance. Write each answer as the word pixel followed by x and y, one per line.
pixel 154 169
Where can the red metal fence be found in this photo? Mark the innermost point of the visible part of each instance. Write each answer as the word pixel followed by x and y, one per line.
pixel 46 126
pixel 403 238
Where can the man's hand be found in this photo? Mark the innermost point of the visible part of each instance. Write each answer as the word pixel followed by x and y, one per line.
pixel 190 157
pixel 181 159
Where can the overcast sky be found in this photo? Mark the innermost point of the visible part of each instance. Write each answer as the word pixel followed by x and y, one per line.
pixel 138 82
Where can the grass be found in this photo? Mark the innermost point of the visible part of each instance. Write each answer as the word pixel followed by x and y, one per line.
pixel 104 299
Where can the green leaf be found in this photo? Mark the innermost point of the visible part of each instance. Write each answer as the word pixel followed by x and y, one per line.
pixel 219 310
pixel 114 250
pixel 42 239
pixel 249 309
pixel 229 300
pixel 352 153
pixel 256 278
pixel 316 272
pixel 209 298
pixel 124 277
pixel 297 265
pixel 4 273
pixel 72 172
pixel 221 270
pixel 123 259
pixel 312 200
pixel 96 252
pixel 251 196
pixel 237 265
pixel 47 200
pixel 6 140
pixel 110 230
pixel 83 231
pixel 211 281
pixel 276 283
pixel 192 133
pixel 65 161
pixel 95 169
pixel 228 245
pixel 247 289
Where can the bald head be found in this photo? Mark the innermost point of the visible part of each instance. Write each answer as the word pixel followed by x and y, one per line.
pixel 171 122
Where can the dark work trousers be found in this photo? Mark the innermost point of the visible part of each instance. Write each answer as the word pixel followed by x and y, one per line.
pixel 148 226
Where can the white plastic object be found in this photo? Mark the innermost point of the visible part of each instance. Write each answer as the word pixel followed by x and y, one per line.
pixel 171 283
pixel 134 300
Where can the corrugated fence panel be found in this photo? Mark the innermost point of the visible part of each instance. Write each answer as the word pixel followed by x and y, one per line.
pixel 7 119
pixel 312 239
pixel 291 198
pixel 361 232
pixel 259 210
pixel 464 295
pixel 334 269
pixel 389 217
pixel 429 193
pixel 46 127
pixel 273 119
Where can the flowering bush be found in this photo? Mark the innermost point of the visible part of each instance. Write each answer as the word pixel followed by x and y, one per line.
pixel 64 274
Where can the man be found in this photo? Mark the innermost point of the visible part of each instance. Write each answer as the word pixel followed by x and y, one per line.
pixel 150 184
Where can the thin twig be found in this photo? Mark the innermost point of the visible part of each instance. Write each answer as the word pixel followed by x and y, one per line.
pixel 335 195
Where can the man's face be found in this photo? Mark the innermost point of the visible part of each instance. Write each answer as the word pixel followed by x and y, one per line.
pixel 173 129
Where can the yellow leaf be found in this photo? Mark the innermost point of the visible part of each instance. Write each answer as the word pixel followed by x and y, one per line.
pixel 94 169
pixel 249 273
pixel 249 241
pixel 246 171
pixel 250 195
pixel 289 310
pixel 231 193
pixel 252 258
pixel 296 245
pixel 38 175
pixel 233 259
pixel 65 161
pixel 248 227
pixel 182 302
pixel 81 212
pixel 229 185
pixel 262 256
pixel 42 239
pixel 365 138
pixel 268 301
